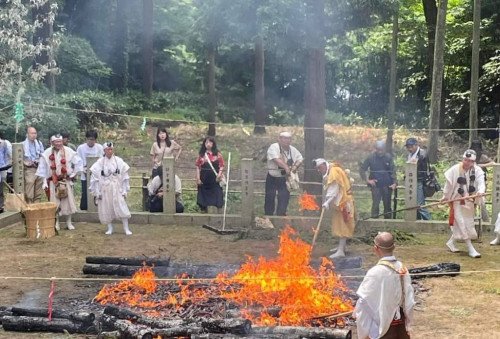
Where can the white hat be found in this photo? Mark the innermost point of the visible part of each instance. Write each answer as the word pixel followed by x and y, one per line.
pixel 319 161
pixel 108 144
pixel 470 154
pixel 56 137
pixel 286 134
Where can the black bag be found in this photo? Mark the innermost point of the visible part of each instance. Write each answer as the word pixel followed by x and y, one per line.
pixel 431 185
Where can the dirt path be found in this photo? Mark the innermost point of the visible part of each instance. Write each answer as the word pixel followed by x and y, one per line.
pixel 459 307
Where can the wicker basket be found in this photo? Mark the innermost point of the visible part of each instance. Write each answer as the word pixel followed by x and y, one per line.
pixel 40 220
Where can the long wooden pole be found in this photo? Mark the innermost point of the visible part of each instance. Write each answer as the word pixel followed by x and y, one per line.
pixel 317 227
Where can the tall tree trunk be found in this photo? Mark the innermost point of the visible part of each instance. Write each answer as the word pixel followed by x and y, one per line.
pixel 147 50
pixel 314 99
pixel 474 83
pixel 212 100
pixel 260 113
pixel 437 81
pixel 391 114
pixel 43 34
pixel 121 52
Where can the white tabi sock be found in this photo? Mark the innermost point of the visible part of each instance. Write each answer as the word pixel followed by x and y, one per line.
pixel 496 241
pixel 58 228
pixel 110 229
pixel 125 227
pixel 340 249
pixel 472 251
pixel 451 245
pixel 69 225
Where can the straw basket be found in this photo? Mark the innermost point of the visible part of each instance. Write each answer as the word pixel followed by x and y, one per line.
pixel 40 220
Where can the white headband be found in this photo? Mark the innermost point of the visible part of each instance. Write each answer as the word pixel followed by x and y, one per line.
pixel 286 134
pixel 108 144
pixel 56 137
pixel 319 161
pixel 470 154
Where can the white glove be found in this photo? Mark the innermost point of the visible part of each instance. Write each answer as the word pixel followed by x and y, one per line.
pixel 44 184
pixel 326 205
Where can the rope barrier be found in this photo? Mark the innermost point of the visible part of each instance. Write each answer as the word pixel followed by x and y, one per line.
pixel 250 125
pixel 236 279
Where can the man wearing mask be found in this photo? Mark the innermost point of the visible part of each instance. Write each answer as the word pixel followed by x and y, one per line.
pixel 381 180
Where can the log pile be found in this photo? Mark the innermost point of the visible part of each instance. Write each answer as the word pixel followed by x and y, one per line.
pixel 28 319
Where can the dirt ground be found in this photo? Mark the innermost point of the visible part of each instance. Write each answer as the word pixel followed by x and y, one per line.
pixel 460 307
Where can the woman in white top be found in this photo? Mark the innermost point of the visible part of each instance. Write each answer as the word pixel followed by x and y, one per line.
pixel 163 147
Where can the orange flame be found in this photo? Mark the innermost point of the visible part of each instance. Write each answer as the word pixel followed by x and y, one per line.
pixel 286 290
pixel 287 282
pixel 307 202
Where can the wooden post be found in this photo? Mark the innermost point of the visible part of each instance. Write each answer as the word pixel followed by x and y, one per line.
pixel 91 207
pixel 18 168
pixel 411 191
pixel 495 193
pixel 168 185
pixel 247 203
pixel 145 192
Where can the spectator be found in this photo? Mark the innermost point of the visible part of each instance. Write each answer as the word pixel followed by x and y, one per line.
pixel 155 189
pixel 382 178
pixel 88 149
pixel 209 172
pixel 418 155
pixel 5 164
pixel 33 150
pixel 282 159
pixel 163 147
pixel 65 136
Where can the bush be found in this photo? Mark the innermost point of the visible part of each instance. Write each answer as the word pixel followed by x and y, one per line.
pixel 80 67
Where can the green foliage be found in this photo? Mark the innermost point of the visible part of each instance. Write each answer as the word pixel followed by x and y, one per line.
pixel 80 66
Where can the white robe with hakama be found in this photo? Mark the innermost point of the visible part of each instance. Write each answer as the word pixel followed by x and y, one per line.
pixel 67 206
pixel 110 180
pixel 380 297
pixel 463 221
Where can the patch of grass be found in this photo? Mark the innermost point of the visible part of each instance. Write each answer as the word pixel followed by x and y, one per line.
pixel 492 291
pixel 461 312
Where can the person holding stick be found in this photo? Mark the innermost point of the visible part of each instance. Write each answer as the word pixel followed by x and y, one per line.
pixel 337 194
pixel 463 180
pixel 386 297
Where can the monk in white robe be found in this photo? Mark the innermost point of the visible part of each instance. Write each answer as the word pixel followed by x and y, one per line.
pixel 109 183
pixel 59 166
pixel 386 297
pixel 337 195
pixel 463 180
pixel 496 241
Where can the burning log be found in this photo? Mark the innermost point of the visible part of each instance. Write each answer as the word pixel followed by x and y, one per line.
pixel 39 324
pixel 128 261
pixel 442 269
pixel 84 317
pixel 199 271
pixel 304 332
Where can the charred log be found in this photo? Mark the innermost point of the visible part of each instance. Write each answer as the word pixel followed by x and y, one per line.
pixel 198 271
pixel 84 317
pixel 126 314
pixel 304 332
pixel 38 324
pixel 232 336
pixel 234 326
pixel 443 269
pixel 128 261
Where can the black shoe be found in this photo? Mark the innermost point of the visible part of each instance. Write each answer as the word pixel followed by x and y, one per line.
pixel 1 210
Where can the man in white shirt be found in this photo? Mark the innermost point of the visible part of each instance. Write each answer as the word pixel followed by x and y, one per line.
pixel 89 149
pixel 156 193
pixel 462 180
pixel 386 299
pixel 282 159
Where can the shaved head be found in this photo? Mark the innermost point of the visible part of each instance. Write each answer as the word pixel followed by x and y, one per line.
pixel 385 242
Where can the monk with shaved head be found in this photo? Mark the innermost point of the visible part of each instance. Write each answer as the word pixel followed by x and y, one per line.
pixel 386 298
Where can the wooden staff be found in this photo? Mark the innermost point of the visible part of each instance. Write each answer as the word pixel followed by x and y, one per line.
pixel 332 316
pixel 317 227
pixel 431 204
